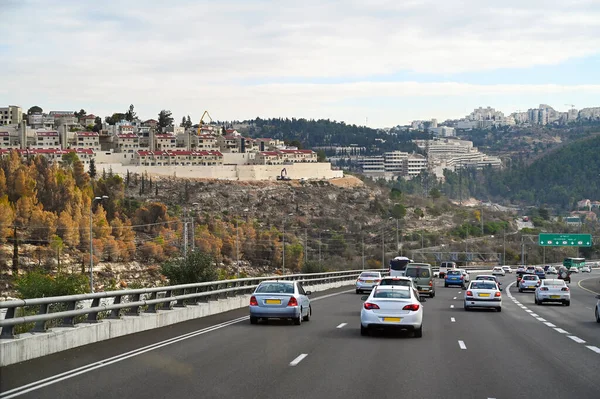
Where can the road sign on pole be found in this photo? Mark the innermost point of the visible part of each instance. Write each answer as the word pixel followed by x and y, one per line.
pixel 564 240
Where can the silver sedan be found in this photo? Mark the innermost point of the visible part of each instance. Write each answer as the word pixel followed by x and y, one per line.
pixel 276 299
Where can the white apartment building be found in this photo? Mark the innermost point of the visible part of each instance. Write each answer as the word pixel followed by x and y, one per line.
pixel 178 157
pixel 47 139
pixel 165 142
pixel 127 142
pixel 6 141
pixel 393 162
pixel 89 140
pixel 414 164
pixel 11 115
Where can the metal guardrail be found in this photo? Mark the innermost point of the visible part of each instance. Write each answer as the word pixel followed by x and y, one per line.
pixel 153 299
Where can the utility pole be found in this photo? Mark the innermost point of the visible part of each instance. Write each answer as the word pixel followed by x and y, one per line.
pixel 504 247
pixel 363 253
pixel 283 264
pixel 481 217
pixel 397 238
pixel 467 247
pixel 185 233
pixel 522 252
pixel 237 247
pixel 382 249
pixel 305 245
pixel 193 235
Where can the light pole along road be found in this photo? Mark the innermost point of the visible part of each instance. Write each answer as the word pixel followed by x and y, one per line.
pixel 104 197
pixel 552 352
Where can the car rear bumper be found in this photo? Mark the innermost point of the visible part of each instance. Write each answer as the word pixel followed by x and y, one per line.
pixel 365 286
pixel 547 298
pixel 275 313
pixel 454 282
pixel 408 321
pixel 527 287
pixel 483 303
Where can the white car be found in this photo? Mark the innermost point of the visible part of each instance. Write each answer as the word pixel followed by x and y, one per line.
pixel 552 290
pixel 483 294
pixel 392 307
pixel 529 282
pixel 401 281
pixel 498 271
pixel 507 269
pixel 551 270
pixel 574 269
pixel 366 281
pixel 586 269
pixel 466 276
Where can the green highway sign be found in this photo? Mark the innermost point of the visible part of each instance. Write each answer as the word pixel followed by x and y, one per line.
pixel 565 240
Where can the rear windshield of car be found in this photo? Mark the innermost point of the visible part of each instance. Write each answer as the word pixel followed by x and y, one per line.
pixel 555 283
pixel 454 273
pixel 529 277
pixel 488 278
pixel 447 264
pixel 404 294
pixel 276 288
pixel 417 272
pixel 483 285
pixel 369 275
pixel 389 281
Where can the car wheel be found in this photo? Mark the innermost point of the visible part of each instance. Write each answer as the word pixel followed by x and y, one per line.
pixel 253 320
pixel 499 309
pixel 364 331
pixel 597 315
pixel 307 317
pixel 419 332
pixel 298 320
pixel 358 291
pixel 467 308
pixel 445 285
pixel 567 303
pixel 432 295
pixel 520 290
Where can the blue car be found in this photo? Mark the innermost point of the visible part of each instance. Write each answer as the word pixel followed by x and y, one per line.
pixel 540 273
pixel 454 277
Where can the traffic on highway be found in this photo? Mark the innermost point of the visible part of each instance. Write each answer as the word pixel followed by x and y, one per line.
pixel 291 343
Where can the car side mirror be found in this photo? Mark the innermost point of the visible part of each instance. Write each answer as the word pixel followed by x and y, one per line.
pixel 364 297
pixel 307 293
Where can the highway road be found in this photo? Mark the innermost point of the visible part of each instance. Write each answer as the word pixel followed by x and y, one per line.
pixel 526 351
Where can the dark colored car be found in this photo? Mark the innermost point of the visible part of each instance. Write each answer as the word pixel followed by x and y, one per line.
pixel 564 274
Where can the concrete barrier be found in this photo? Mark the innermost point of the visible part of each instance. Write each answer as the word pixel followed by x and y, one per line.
pixel 33 345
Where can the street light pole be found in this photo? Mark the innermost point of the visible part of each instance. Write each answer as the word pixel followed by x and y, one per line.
pixel 504 247
pixel 397 238
pixel 92 240
pixel 283 260
pixel 382 249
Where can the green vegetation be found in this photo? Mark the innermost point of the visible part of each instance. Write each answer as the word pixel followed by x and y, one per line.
pixel 41 284
pixel 197 267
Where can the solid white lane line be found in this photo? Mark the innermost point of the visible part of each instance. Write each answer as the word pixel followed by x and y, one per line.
pixel 298 359
pixel 451 306
pixel 550 324
pixel 593 348
pixel 33 386
pixel 576 339
pixel 452 319
pixel 341 325
pixel 560 330
pixel 462 345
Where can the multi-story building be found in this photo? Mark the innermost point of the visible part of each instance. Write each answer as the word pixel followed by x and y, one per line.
pixel 178 158
pixel 268 158
pixel 11 115
pixel 206 142
pixel 228 143
pixel 7 141
pixel 89 140
pixel 47 139
pixel 413 165
pixel 127 142
pixel 88 120
pixel 165 142
pixel 52 154
pixel 298 156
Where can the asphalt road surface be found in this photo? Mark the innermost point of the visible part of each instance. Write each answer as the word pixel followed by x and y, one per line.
pixel 526 351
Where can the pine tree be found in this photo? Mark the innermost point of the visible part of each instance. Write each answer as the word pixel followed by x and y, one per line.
pixel 92 172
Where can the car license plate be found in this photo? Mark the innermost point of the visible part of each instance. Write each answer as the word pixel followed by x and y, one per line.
pixel 369 281
pixel 273 301
pixel 394 319
pixel 554 296
pixel 484 294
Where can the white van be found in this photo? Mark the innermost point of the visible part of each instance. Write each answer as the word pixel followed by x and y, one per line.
pixel 398 266
pixel 444 267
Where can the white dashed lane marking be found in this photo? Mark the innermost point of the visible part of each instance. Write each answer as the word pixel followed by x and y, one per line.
pixel 451 306
pixel 576 339
pixel 549 324
pixel 462 345
pixel 560 330
pixel 452 319
pixel 298 359
pixel 341 325
pixel 593 348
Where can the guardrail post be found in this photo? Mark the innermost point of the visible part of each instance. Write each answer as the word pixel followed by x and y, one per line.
pixel 8 331
pixel 134 310
pixel 180 302
pixel 40 326
pixel 116 313
pixel 93 315
pixel 152 306
pixel 69 321
pixel 167 305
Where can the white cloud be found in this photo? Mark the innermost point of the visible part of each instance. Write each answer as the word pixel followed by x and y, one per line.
pixel 188 55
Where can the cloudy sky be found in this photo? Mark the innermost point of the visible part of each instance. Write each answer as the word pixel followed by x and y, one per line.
pixel 374 62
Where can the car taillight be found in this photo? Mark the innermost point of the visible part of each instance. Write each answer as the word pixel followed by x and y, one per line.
pixel 361 280
pixel 378 280
pixel 469 293
pixel 370 306
pixel 497 294
pixel 461 277
pixel 431 283
pixel 253 301
pixel 292 302
pixel 538 284
pixel 564 289
pixel 413 307
pixel 544 289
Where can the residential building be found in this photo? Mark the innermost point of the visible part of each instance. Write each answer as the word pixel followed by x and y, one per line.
pixel 88 120
pixel 165 142
pixel 297 156
pixel 206 142
pixel 268 158
pixel 89 140
pixel 413 165
pixel 61 118
pixel 127 142
pixel 178 157
pixel 6 141
pixel 52 154
pixel 228 143
pixel 47 139
pixel 11 115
